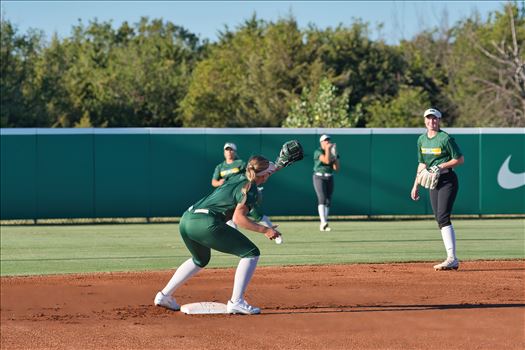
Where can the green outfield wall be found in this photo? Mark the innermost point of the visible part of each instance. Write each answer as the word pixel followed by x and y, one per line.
pixel 159 172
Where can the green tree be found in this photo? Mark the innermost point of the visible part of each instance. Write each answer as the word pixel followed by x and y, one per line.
pixel 132 76
pixel 249 77
pixel 21 104
pixel 487 75
pixel 321 109
pixel 404 110
pixel 427 56
pixel 365 69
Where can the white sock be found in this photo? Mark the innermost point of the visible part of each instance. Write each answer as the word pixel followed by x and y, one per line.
pixel 326 211
pixel 449 239
pixel 183 273
pixel 243 275
pixel 231 223
pixel 321 210
pixel 266 221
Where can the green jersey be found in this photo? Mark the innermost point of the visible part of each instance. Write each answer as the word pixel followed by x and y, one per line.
pixel 256 212
pixel 225 198
pixel 437 150
pixel 320 167
pixel 225 170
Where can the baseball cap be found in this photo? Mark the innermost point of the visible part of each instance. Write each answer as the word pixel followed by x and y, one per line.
pixel 432 111
pixel 230 145
pixel 324 137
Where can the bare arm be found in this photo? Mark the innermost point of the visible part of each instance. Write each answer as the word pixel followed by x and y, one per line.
pixel 336 166
pixel 240 218
pixel 452 163
pixel 217 183
pixel 414 194
pixel 325 157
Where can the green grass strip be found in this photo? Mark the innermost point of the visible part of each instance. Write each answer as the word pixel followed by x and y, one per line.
pixel 37 249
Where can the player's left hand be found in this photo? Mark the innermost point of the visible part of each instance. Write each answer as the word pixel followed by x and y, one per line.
pixel 291 152
pixel 333 153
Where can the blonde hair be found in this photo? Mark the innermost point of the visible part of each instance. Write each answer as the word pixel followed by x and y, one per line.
pixel 255 165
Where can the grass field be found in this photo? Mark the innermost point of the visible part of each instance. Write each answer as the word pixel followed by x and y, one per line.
pixel 29 250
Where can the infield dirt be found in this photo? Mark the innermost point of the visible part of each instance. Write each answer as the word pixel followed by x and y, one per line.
pixel 363 306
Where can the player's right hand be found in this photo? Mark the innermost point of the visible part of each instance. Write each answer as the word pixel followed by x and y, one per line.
pixel 271 233
pixel 415 193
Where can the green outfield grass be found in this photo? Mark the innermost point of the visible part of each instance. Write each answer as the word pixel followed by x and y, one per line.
pixel 29 250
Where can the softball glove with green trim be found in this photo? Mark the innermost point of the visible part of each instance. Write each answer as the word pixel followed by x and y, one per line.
pixel 291 152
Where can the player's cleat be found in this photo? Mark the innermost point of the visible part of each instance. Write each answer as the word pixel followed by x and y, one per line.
pixel 449 264
pixel 325 227
pixel 166 301
pixel 242 307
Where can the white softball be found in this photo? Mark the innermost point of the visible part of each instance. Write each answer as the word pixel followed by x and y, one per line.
pixel 279 240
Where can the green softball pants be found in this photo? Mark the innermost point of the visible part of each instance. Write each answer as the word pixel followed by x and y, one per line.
pixel 203 232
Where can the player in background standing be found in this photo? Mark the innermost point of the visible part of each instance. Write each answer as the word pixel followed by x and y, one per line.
pixel 438 149
pixel 229 167
pixel 326 161
pixel 203 227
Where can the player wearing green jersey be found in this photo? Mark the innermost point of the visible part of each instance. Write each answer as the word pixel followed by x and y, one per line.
pixel 326 161
pixel 438 149
pixel 203 227
pixel 230 167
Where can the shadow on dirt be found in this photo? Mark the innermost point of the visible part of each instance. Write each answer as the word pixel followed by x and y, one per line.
pixel 384 308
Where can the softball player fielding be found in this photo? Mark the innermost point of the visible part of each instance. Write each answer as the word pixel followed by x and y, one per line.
pixel 203 227
pixel 233 166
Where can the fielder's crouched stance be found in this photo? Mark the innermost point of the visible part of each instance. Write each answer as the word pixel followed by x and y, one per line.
pixel 203 227
pixel 438 154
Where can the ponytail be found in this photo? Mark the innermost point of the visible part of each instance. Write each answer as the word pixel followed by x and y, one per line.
pixel 255 165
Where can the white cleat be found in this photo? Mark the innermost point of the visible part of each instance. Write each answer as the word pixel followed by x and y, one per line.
pixel 449 264
pixel 242 307
pixel 324 227
pixel 166 301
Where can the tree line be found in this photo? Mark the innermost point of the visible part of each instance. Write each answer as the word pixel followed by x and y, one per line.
pixel 155 73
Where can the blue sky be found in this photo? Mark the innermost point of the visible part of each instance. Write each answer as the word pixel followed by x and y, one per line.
pixel 401 19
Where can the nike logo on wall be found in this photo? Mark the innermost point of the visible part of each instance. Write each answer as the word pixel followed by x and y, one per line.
pixel 507 179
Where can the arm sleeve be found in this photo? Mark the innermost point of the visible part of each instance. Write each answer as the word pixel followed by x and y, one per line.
pixel 453 148
pixel 256 213
pixel 238 194
pixel 216 173
pixel 419 155
pixel 317 154
pixel 242 168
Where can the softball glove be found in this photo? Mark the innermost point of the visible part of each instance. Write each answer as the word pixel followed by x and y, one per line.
pixel 428 178
pixel 291 152
pixel 333 153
